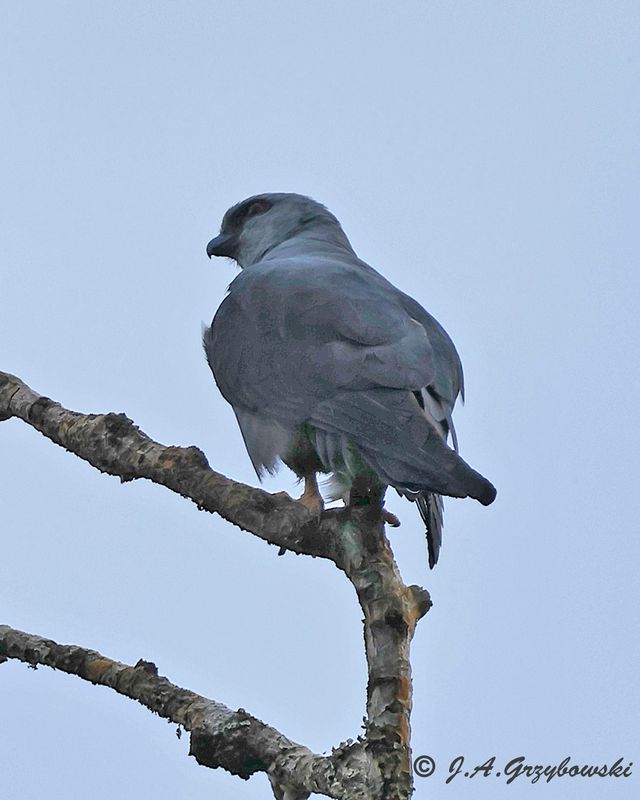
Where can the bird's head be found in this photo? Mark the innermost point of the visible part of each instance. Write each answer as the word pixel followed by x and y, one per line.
pixel 254 227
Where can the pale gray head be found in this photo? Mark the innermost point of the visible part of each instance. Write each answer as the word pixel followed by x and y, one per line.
pixel 254 227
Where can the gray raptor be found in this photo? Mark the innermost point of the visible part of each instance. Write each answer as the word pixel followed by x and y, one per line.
pixel 330 368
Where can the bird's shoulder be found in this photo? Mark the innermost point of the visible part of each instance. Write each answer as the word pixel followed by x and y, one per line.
pixel 318 296
pixel 311 271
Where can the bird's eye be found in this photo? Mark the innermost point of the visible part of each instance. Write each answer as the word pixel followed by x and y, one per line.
pixel 258 207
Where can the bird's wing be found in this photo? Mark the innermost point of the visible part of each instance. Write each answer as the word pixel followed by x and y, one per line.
pixel 437 401
pixel 290 336
pixel 448 381
pixel 286 337
pixel 399 443
pixel 328 343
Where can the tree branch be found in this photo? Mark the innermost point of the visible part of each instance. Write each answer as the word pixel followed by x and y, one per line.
pixel 113 444
pixel 391 612
pixel 379 764
pixel 220 737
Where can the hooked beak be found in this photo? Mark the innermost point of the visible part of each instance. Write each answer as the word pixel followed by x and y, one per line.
pixel 222 245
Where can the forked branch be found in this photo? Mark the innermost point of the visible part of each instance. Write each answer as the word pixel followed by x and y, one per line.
pixel 378 764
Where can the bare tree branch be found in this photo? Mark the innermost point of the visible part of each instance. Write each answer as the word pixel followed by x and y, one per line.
pixel 113 444
pixel 220 737
pixel 379 764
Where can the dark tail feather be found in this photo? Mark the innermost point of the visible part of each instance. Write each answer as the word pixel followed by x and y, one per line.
pixel 431 510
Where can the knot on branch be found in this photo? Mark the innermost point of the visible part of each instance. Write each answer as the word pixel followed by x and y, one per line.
pixel 419 602
pixel 118 425
pixel 185 458
pixel 147 666
pixel 228 746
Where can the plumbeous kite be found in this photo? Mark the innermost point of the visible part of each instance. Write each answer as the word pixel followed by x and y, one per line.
pixel 330 368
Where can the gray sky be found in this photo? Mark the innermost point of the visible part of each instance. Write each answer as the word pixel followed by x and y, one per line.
pixel 484 157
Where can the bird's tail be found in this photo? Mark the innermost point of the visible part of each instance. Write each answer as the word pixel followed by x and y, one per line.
pixel 403 448
pixel 431 508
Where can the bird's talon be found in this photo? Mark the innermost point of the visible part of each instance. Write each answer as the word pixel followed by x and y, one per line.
pixel 314 504
pixel 390 518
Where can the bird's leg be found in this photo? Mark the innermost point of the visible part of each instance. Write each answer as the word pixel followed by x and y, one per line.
pixel 387 516
pixel 377 496
pixel 364 493
pixel 311 497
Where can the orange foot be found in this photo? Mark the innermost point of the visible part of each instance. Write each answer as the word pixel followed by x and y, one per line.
pixel 311 498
